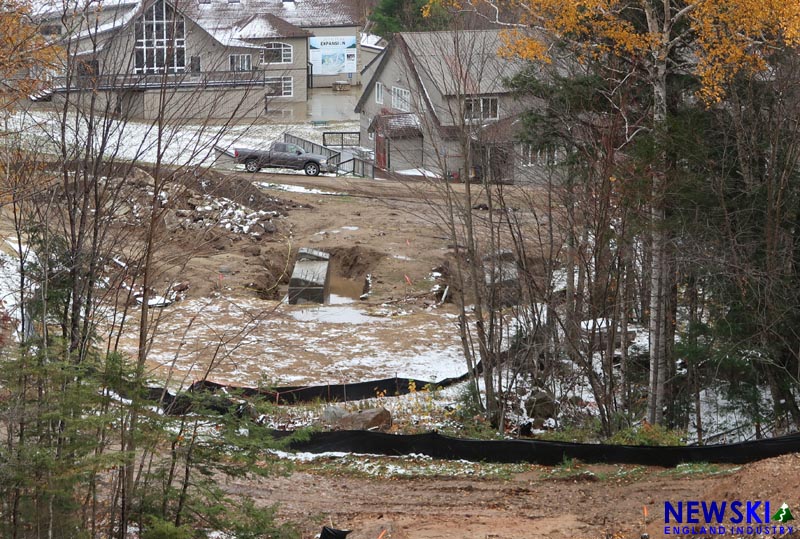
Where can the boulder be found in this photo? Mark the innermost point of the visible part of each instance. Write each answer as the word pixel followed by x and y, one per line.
pixel 171 220
pixel 373 418
pixel 269 227
pixel 181 287
pixel 332 414
pixel 141 178
pixel 540 404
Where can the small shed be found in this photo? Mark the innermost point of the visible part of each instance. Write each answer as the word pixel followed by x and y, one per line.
pixel 311 277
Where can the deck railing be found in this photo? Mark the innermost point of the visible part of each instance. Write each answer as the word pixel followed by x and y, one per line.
pixel 142 81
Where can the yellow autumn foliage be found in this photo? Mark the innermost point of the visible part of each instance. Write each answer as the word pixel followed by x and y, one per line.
pixel 24 53
pixel 727 36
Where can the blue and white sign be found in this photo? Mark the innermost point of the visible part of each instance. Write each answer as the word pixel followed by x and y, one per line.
pixel 333 55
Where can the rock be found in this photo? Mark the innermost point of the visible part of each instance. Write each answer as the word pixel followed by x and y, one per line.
pixel 171 220
pixel 122 210
pixel 541 404
pixel 181 287
pixel 269 227
pixel 195 202
pixel 142 179
pixel 373 418
pixel 183 213
pixel 332 414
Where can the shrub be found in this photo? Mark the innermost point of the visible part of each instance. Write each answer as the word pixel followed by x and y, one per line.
pixel 647 434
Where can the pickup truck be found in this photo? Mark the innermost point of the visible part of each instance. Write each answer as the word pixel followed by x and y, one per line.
pixel 283 155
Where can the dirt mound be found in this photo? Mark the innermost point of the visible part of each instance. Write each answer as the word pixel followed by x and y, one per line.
pixel 763 480
pixel 354 262
pixel 234 188
pixel 274 272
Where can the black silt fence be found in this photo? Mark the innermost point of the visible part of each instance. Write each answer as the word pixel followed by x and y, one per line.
pixel 329 392
pixel 542 452
pixel 208 396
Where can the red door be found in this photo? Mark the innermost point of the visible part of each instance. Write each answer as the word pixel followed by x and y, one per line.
pixel 380 151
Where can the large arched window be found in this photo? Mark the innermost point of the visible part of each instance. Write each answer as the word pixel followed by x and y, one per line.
pixel 276 53
pixel 160 40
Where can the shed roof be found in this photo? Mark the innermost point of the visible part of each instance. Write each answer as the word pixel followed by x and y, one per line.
pixel 405 125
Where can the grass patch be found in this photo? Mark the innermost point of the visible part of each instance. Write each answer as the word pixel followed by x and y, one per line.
pixel 576 471
pixel 570 470
pixel 699 468
pixel 408 467
pixel 624 474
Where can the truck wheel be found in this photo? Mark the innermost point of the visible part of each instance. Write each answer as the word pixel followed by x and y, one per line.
pixel 251 165
pixel 312 169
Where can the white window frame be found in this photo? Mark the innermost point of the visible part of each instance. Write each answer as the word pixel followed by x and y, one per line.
pixel 241 62
pixel 531 156
pixel 401 99
pixel 483 108
pixel 379 93
pixel 160 40
pixel 284 86
pixel 286 54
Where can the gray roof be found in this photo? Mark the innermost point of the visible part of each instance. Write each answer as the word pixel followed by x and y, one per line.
pixel 301 13
pixel 43 8
pixel 249 30
pixel 231 23
pixel 466 62
pixel 450 63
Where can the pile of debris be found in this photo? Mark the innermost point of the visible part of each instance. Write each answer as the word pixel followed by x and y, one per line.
pixel 205 211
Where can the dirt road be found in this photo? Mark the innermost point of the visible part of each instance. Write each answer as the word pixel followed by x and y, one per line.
pixel 538 503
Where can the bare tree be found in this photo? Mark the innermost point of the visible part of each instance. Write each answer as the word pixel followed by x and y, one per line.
pixel 90 183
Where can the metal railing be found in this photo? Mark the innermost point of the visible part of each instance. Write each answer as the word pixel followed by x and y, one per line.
pixel 312 147
pixel 141 81
pixel 356 167
pixel 341 138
